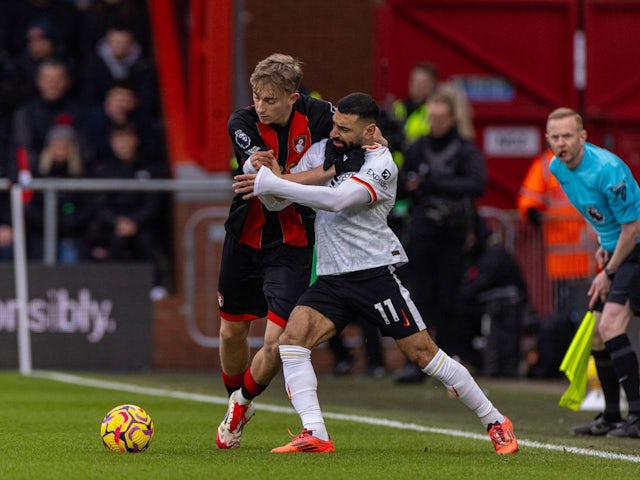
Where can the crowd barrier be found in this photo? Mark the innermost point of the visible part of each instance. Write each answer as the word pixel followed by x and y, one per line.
pixel 21 317
pixel 201 236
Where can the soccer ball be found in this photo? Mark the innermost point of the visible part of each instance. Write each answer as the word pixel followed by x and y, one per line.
pixel 127 428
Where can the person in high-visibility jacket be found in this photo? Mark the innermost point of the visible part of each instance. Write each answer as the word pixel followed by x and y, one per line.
pixel 406 119
pixel 567 238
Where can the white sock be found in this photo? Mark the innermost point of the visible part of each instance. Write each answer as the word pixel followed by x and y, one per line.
pixel 460 383
pixel 301 384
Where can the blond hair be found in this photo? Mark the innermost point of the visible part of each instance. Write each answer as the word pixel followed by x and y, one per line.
pixel 279 72
pixel 462 109
pixel 458 106
pixel 564 112
pixel 74 160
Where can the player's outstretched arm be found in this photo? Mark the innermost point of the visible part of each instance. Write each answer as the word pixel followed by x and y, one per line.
pixel 347 194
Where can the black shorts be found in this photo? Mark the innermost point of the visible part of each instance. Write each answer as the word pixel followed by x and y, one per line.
pixel 376 296
pixel 257 283
pixel 626 283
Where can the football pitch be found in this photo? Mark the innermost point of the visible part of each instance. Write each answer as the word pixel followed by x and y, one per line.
pixel 50 423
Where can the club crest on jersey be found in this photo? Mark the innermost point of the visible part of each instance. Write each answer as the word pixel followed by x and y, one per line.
pixel 220 300
pixel 299 143
pixel 242 139
pixel 595 214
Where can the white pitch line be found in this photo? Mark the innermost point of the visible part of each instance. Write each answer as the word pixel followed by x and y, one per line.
pixel 197 397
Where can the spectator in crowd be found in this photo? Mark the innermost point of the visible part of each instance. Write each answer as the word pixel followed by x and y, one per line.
pixel 82 5
pixel 127 219
pixel 18 15
pixel 34 117
pixel 462 108
pixel 402 123
pixel 41 44
pixel 103 13
pixel 406 120
pixel 61 158
pixel 118 56
pixel 443 174
pixel 120 107
pixel 493 299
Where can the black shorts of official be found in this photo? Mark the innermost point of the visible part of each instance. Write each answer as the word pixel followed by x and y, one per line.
pixel 626 283
pixel 257 283
pixel 376 296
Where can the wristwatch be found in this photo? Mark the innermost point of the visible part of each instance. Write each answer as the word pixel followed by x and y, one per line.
pixel 609 274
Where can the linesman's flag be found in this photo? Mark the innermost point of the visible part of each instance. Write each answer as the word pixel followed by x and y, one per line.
pixel 575 363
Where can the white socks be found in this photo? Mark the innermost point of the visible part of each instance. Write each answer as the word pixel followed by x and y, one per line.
pixel 301 384
pixel 460 383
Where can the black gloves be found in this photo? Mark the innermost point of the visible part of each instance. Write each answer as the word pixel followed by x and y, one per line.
pixel 349 161
pixel 331 154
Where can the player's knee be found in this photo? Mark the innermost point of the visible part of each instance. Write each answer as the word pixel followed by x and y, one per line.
pixel 295 338
pixel 286 339
pixel 231 333
pixel 271 350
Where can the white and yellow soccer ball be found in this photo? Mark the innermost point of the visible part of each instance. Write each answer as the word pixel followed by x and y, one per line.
pixel 127 428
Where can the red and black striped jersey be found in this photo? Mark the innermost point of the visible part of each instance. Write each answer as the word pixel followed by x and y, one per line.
pixel 249 222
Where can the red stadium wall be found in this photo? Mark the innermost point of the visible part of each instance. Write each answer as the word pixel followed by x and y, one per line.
pixel 518 60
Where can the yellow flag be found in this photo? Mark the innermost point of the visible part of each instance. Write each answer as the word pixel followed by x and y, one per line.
pixel 575 362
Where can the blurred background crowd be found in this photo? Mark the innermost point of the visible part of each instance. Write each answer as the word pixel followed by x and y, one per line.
pixel 79 99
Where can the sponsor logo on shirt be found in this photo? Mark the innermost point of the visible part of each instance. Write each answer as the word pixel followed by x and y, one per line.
pixel 379 178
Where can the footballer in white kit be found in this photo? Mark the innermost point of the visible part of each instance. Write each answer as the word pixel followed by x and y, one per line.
pixel 358 238
pixel 357 252
pixel 357 256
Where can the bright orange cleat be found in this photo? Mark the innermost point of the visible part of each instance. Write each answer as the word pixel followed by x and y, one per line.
pixel 503 438
pixel 305 442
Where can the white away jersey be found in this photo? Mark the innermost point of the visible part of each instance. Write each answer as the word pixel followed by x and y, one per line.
pixel 358 237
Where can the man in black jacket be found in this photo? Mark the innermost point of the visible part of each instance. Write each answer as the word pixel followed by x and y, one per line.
pixel 443 173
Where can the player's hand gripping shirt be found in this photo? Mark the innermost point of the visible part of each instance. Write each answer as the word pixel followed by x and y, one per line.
pixel 351 223
pixel 603 190
pixel 251 224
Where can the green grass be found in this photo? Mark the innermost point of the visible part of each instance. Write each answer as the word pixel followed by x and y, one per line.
pixel 50 430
